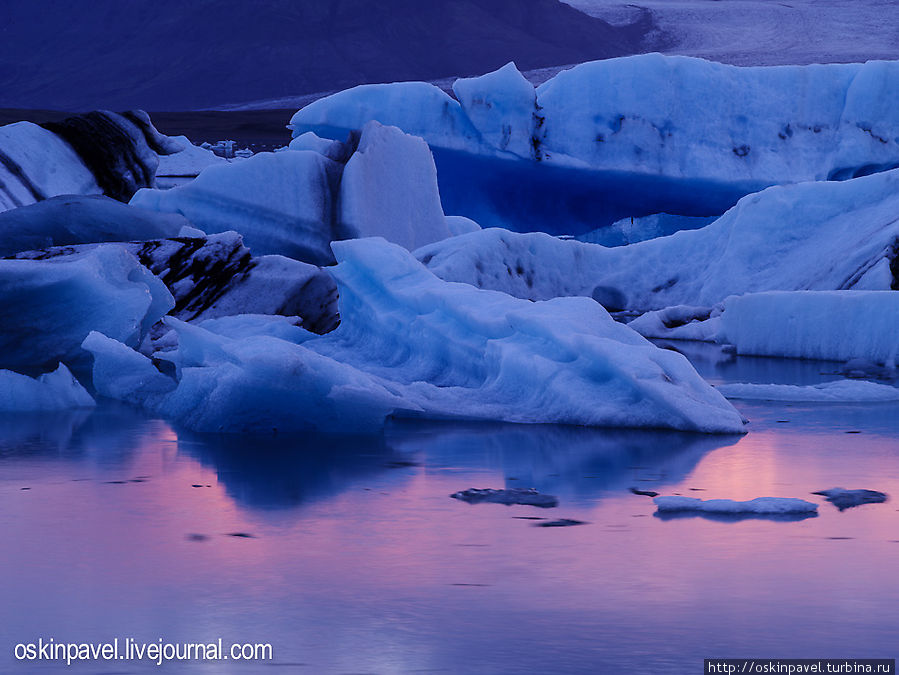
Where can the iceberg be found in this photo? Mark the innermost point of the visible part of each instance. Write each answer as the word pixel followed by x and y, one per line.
pixel 830 325
pixel 212 276
pixel 389 189
pixel 36 164
pixel 280 202
pixel 294 203
pixel 57 390
pixel 838 391
pixel 410 344
pixel 81 219
pixel 47 307
pixel 631 136
pixel 809 236
pixel 651 114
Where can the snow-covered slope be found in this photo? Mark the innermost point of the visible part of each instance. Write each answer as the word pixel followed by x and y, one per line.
pixel 411 344
pixel 816 236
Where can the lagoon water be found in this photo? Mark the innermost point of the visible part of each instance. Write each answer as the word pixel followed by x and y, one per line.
pixel 115 525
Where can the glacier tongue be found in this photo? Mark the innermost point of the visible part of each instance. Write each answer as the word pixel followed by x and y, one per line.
pixel 411 344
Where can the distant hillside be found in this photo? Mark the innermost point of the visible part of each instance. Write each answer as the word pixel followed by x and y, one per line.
pixel 195 54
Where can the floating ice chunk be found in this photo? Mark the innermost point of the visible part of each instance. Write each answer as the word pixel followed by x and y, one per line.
pixel 58 390
pixel 418 108
pixel 215 275
pixel 837 391
pixel 280 202
pixel 189 160
pixel 680 322
pixel 817 236
pixel 47 307
pixel 759 505
pixel 324 146
pixel 835 325
pixel 502 106
pixel 845 499
pixel 39 164
pixel 389 189
pixel 121 373
pixel 509 496
pixel 76 219
pixel 411 344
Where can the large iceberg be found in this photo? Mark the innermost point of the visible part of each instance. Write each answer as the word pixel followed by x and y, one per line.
pixel 631 136
pixel 815 236
pixel 47 307
pixel 295 203
pixel 411 344
pixel 661 115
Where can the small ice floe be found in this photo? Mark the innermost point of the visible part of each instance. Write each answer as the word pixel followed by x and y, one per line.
pixel 774 508
pixel 837 391
pixel 845 499
pixel 525 496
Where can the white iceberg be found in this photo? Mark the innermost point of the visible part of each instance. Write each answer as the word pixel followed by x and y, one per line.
pixel 766 506
pixel 57 390
pixel 36 164
pixel 47 307
pixel 651 114
pixel 809 236
pixel 832 325
pixel 389 189
pixel 411 344
pixel 80 219
pixel 294 203
pixel 850 391
pixel 187 159
pixel 280 202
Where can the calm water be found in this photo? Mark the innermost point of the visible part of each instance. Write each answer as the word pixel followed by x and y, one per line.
pixel 360 562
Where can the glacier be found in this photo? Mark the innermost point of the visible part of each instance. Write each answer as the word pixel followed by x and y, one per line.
pixel 410 344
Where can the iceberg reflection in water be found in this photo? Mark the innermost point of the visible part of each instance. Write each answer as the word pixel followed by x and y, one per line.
pixel 349 555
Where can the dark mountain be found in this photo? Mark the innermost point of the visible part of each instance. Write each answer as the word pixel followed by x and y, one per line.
pixel 195 54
